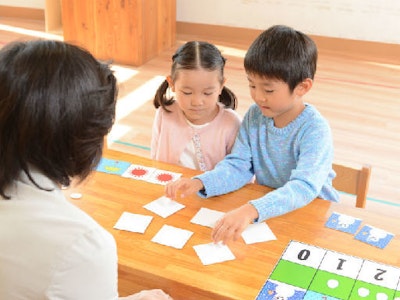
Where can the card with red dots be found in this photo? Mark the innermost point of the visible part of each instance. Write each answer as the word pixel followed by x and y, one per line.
pixel 138 172
pixel 135 171
pixel 163 177
pixel 309 272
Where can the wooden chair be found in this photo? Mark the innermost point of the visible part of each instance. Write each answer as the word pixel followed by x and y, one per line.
pixel 353 181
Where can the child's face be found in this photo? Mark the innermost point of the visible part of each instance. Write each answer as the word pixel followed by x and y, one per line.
pixel 275 100
pixel 197 92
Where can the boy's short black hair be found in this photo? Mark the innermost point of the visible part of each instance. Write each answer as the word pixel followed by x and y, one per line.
pixel 282 53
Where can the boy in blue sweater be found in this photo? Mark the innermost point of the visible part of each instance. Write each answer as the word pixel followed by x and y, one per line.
pixel 283 141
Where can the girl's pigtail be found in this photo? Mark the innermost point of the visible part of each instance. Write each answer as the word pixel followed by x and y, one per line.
pixel 228 98
pixel 161 98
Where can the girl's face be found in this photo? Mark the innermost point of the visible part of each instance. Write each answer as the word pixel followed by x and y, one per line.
pixel 275 99
pixel 196 92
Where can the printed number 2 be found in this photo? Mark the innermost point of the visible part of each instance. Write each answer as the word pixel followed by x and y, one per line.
pixel 378 275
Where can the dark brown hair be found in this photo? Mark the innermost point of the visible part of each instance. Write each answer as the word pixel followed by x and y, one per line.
pixel 282 53
pixel 57 102
pixel 191 56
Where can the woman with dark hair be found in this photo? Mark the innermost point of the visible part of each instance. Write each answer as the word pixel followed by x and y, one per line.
pixel 57 102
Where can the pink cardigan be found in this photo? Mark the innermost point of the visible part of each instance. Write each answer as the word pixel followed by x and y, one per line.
pixel 171 134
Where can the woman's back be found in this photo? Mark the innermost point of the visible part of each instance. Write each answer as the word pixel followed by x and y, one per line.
pixel 50 247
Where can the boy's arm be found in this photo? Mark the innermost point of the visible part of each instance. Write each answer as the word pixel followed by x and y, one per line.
pixel 235 170
pixel 313 171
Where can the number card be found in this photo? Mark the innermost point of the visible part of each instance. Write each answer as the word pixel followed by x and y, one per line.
pixel 374 236
pixel 112 166
pixel 327 274
pixel 343 223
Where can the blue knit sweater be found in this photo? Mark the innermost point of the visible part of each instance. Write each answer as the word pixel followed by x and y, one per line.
pixel 295 160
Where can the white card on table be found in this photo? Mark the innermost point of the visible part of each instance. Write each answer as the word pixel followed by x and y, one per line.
pixel 133 222
pixel 213 253
pixel 207 217
pixel 164 206
pixel 256 233
pixel 172 236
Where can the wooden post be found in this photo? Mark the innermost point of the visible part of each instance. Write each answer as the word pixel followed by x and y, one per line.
pixel 52 16
pixel 126 31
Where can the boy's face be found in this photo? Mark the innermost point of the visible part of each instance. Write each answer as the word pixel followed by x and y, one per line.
pixel 275 99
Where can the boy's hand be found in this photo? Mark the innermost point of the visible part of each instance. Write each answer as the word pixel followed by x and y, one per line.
pixel 185 186
pixel 232 224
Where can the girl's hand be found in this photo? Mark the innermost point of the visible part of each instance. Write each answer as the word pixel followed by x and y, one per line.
pixel 155 294
pixel 232 224
pixel 184 186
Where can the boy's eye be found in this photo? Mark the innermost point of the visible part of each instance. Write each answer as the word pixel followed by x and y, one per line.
pixel 269 91
pixel 208 93
pixel 186 93
pixel 252 86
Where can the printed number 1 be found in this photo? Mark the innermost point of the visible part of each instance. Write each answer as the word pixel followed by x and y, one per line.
pixel 340 265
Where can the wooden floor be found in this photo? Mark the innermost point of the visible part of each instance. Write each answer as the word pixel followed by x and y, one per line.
pixel 359 97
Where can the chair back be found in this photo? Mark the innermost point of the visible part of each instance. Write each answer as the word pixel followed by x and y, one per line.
pixel 353 181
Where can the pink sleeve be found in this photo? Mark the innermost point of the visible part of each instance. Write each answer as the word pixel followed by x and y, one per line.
pixel 237 120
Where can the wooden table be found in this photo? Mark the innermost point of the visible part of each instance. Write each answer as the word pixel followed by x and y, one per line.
pixel 144 264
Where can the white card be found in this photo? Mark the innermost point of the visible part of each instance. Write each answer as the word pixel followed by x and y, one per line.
pixel 172 236
pixel 207 217
pixel 164 206
pixel 133 222
pixel 138 172
pixel 163 177
pixel 213 253
pixel 256 233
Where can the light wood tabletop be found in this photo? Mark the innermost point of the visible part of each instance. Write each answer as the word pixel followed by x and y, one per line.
pixel 144 264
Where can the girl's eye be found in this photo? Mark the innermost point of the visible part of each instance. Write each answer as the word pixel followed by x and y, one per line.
pixel 208 94
pixel 252 86
pixel 186 93
pixel 269 91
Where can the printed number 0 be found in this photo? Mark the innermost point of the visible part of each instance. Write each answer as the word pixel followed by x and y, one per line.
pixel 303 254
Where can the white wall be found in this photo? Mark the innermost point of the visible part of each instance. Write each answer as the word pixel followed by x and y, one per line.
pixel 370 20
pixel 40 4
